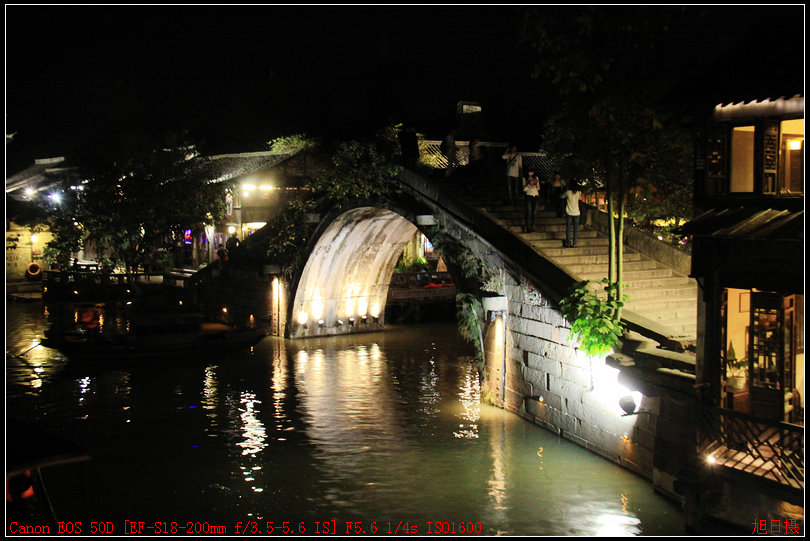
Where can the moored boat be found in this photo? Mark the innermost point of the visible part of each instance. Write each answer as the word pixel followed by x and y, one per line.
pixel 156 337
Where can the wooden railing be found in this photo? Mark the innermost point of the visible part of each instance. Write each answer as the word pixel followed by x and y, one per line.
pixel 766 448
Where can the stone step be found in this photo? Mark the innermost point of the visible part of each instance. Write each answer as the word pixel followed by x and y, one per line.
pixel 583 234
pixel 589 259
pixel 546 224
pixel 630 276
pixel 677 316
pixel 586 251
pixel 663 282
pixel 603 242
pixel 685 292
pixel 541 216
pixel 644 305
pixel 601 270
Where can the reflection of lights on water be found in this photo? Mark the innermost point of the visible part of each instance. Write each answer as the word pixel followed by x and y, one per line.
pixel 210 399
pixel 302 360
pixel 610 525
pixel 84 387
pixel 470 398
pixel 252 428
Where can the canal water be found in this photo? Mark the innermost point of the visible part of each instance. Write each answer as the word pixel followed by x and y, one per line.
pixel 384 431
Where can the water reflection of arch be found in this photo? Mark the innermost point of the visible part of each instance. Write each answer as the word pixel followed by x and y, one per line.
pixel 371 444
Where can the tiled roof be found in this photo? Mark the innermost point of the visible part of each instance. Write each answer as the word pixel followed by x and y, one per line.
pixel 747 222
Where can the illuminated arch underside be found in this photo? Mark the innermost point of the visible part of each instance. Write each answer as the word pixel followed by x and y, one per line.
pixel 348 272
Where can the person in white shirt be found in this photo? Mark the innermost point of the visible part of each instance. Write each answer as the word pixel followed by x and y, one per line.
pixel 531 198
pixel 571 198
pixel 514 164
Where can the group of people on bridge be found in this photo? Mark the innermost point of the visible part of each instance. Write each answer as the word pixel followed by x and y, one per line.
pixel 554 193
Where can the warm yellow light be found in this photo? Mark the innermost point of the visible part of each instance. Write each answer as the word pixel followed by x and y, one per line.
pixel 248 187
pixel 795 144
pixel 711 460
pixel 224 310
pixel 349 310
pixel 375 310
pixel 231 229
pixel 317 307
pixel 34 238
pixel 362 306
pixel 302 317
pixel 265 188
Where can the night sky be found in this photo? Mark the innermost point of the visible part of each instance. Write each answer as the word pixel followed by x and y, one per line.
pixel 237 77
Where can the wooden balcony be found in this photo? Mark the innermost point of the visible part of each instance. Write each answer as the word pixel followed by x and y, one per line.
pixel 765 449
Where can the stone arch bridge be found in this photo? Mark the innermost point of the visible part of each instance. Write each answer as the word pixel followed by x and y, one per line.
pixel 532 366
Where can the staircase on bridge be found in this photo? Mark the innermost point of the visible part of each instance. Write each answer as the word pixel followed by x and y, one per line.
pixel 655 291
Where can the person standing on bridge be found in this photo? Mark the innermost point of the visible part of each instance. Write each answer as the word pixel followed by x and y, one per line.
pixel 532 191
pixel 448 148
pixel 555 197
pixel 571 198
pixel 514 164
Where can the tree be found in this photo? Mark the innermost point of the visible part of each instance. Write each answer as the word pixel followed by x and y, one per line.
pixel 132 205
pixel 617 70
pixel 357 170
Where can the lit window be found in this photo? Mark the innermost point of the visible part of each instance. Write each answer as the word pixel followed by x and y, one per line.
pixel 742 159
pixel 791 159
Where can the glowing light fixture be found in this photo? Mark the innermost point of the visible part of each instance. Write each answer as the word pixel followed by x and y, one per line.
pixel 302 317
pixel 231 229
pixel 710 459
pixel 795 144
pixel 375 310
pixel 34 238
pixel 317 306
pixel 265 188
pixel 248 187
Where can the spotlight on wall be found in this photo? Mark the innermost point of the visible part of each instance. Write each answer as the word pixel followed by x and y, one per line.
pixel 365 320
pixel 351 321
pixel 339 323
pixel 321 323
pixel 302 319
pixel 628 404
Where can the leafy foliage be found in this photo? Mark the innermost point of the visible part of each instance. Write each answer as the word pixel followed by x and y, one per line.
pixel 470 314
pixel 131 205
pixel 292 143
pixel 411 265
pixel 285 234
pixel 358 171
pixel 593 320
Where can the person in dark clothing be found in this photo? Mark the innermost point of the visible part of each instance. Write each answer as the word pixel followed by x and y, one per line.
pixel 232 243
pixel 409 145
pixel 531 198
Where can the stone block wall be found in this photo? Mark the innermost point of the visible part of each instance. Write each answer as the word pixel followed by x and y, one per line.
pixel 554 385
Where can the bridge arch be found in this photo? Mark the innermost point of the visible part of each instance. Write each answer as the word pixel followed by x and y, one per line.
pixel 343 286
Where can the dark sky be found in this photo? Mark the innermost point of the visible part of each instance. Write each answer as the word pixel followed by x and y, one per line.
pixel 237 77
